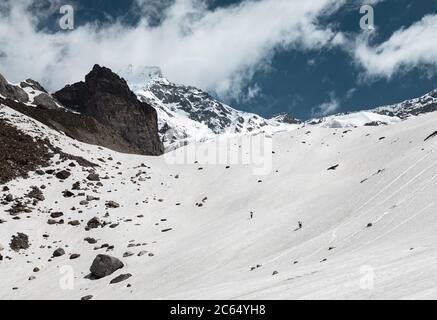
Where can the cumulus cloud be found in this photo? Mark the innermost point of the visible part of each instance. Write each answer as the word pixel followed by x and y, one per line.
pixel 217 50
pixel 406 49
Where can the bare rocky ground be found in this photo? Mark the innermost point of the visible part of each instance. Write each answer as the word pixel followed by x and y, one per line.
pixel 20 153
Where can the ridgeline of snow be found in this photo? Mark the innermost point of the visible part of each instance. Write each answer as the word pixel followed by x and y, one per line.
pixel 382 115
pixel 356 119
pixel 184 231
pixel 425 104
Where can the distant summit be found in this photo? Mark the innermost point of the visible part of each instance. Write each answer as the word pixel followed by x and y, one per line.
pixel 187 114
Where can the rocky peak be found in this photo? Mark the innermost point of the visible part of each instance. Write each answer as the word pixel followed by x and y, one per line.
pixel 107 98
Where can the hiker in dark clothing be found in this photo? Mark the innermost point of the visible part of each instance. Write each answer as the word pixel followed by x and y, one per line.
pixel 300 224
pixel 251 214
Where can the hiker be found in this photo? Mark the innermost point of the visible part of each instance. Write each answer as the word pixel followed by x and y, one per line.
pixel 251 214
pixel 300 224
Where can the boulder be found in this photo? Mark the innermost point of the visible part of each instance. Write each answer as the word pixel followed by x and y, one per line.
pixel 19 242
pixel 44 100
pixel 112 204
pixel 74 256
pixel 104 265
pixel 62 175
pixel 94 223
pixel 120 278
pixel 93 177
pixel 56 215
pixel 58 252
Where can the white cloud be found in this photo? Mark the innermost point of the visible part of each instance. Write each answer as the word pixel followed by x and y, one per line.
pixel 328 107
pixel 215 50
pixel 350 93
pixel 252 92
pixel 406 49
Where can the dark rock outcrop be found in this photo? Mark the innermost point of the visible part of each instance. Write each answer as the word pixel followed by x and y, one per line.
pixel 12 92
pixel 36 193
pixel 19 242
pixel 63 174
pixel 45 101
pixel 58 252
pixel 120 278
pixel 29 83
pixel 106 97
pixel 104 265
pixel 94 223
pixel 21 153
pixel 76 126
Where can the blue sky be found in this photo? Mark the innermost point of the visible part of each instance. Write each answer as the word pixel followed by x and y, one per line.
pixel 259 56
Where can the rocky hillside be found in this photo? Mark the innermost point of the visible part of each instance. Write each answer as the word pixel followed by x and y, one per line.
pixel 106 97
pixel 101 111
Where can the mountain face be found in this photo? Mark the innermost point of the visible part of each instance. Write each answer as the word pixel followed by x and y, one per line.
pixel 106 97
pixel 11 91
pixel 102 111
pixel 187 114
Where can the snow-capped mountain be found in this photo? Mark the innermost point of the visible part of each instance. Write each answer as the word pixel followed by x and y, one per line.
pixel 383 115
pixel 413 107
pixel 187 114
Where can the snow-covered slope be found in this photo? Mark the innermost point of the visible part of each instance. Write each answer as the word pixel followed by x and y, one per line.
pixel 183 231
pixel 187 114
